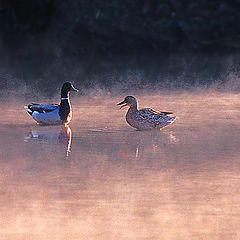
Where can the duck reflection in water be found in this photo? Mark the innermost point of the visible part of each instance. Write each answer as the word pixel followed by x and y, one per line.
pixel 149 143
pixel 59 135
pixel 125 145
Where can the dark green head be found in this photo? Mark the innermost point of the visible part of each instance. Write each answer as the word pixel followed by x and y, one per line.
pixel 67 87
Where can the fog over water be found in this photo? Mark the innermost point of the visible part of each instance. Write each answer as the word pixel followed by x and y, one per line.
pixel 121 74
pixel 101 179
pixel 98 178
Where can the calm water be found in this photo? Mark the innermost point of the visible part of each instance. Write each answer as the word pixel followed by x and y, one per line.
pixel 101 179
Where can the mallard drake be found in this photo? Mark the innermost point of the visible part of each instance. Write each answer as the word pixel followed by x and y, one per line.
pixel 146 118
pixel 53 114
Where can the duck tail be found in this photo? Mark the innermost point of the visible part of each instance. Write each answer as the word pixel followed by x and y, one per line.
pixel 172 119
pixel 28 109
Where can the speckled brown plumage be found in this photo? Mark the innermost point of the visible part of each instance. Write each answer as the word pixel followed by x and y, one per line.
pixel 146 118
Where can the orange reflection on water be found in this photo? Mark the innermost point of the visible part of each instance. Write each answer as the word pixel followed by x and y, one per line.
pixel 118 183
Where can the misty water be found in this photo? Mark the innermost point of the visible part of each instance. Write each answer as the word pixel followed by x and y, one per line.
pixel 101 179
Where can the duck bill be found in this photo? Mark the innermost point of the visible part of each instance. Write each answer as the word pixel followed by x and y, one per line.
pixel 123 103
pixel 74 89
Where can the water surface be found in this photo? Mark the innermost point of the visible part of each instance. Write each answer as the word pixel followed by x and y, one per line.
pixel 101 179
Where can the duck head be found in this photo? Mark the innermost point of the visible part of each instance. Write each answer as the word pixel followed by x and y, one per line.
pixel 128 101
pixel 66 88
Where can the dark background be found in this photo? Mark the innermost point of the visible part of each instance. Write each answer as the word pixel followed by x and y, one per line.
pixel 122 44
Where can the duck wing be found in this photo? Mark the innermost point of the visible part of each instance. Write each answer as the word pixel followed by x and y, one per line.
pixel 156 117
pixel 150 111
pixel 42 108
pixel 147 114
pixel 166 113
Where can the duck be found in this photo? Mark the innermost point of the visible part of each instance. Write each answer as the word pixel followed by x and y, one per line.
pixel 53 114
pixel 145 118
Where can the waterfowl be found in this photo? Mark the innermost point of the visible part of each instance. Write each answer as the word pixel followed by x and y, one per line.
pixel 53 114
pixel 146 118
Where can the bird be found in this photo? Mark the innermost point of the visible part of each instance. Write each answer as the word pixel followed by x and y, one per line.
pixel 53 114
pixel 146 118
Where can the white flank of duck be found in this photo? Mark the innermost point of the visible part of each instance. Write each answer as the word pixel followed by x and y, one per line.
pixel 53 114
